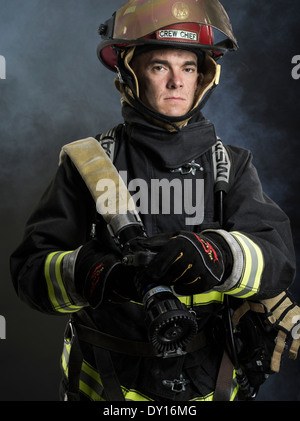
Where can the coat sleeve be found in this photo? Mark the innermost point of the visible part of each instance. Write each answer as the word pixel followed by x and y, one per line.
pixel 59 225
pixel 261 230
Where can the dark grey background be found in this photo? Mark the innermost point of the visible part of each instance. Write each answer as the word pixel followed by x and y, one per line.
pixel 56 91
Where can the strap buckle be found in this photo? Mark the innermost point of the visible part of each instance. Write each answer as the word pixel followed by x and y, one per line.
pixel 176 385
pixel 178 352
pixel 189 168
pixel 69 333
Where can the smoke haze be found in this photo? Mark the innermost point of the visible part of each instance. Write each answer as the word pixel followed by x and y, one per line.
pixel 56 91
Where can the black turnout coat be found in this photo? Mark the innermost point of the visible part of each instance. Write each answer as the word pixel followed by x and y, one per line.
pixel 63 219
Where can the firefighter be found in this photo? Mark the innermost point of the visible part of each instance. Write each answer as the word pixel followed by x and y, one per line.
pixel 203 249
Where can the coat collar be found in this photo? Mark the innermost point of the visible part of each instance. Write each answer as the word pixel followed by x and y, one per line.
pixel 170 149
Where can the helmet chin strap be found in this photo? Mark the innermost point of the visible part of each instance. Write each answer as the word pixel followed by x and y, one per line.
pixel 127 85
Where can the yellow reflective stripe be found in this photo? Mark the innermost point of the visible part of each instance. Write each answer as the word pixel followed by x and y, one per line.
pixel 253 267
pixel 234 387
pixel 187 300
pixel 88 369
pixel 207 398
pixel 90 383
pixel 206 298
pixel 134 395
pixel 56 288
pixel 65 358
pixel 87 390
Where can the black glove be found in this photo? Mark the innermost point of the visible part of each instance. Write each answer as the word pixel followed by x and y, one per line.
pixel 153 244
pixel 191 263
pixel 102 277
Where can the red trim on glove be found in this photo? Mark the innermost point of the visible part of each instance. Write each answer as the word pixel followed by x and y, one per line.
pixel 208 249
pixel 95 278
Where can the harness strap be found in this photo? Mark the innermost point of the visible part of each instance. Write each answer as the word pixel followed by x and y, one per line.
pixel 103 345
pixel 108 376
pixel 124 346
pixel 74 368
pixel 108 141
pixel 224 380
pixel 109 379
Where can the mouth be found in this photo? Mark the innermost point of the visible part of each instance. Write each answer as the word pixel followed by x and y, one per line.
pixel 174 98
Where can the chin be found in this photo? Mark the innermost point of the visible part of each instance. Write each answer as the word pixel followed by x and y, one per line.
pixel 174 113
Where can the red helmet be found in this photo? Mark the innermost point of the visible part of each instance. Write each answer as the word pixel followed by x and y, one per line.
pixel 202 24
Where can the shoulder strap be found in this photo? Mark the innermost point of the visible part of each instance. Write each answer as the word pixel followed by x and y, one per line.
pixel 108 141
pixel 221 167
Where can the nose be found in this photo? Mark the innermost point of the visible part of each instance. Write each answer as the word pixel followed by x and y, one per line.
pixel 175 81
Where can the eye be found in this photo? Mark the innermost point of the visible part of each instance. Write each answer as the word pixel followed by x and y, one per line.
pixel 158 68
pixel 189 69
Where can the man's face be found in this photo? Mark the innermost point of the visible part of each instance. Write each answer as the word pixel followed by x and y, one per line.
pixel 168 80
